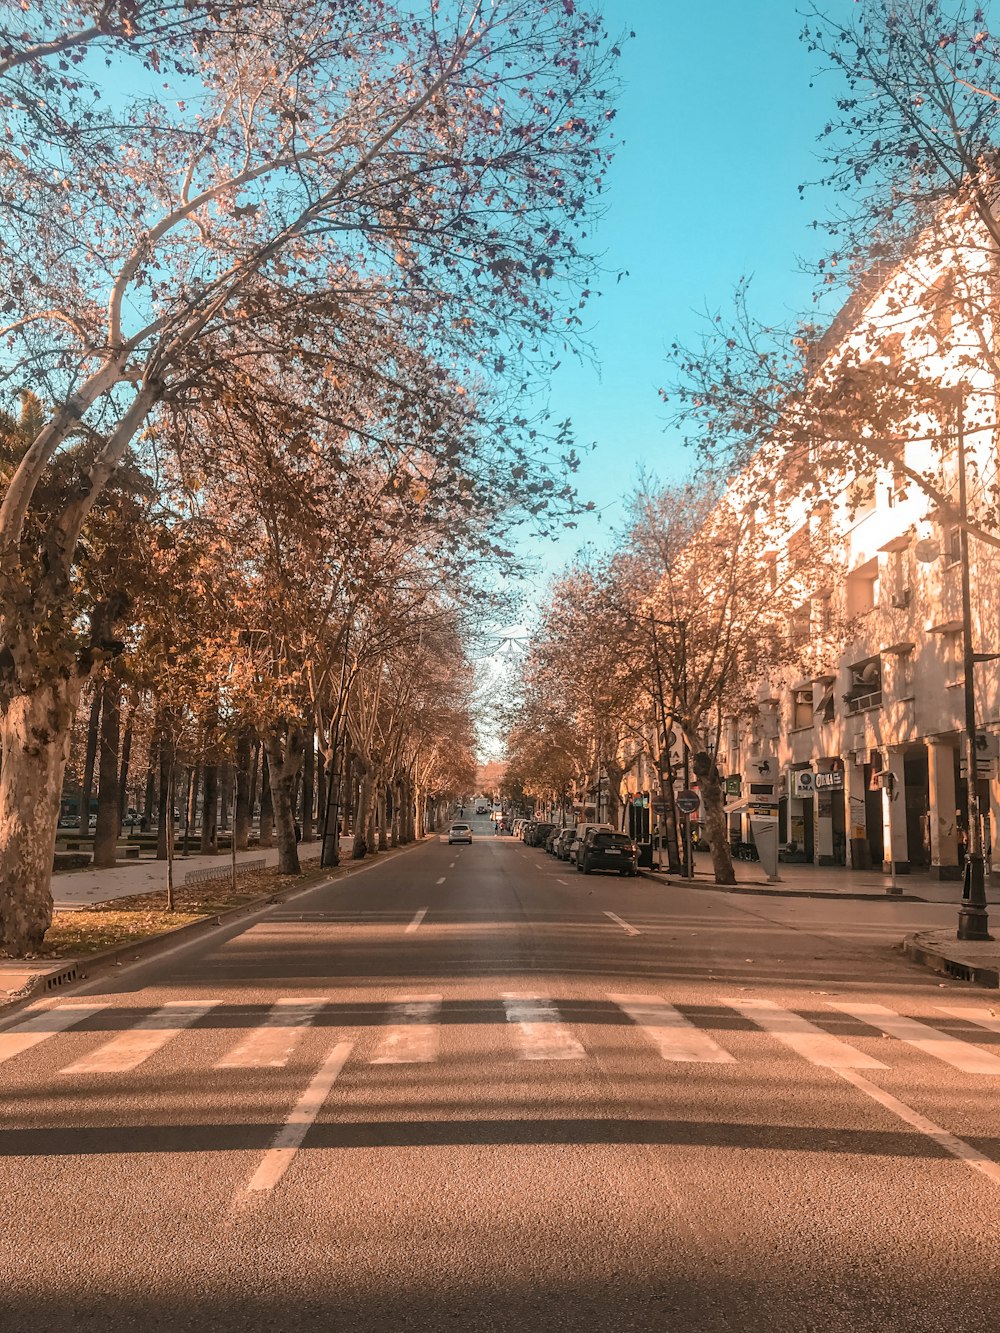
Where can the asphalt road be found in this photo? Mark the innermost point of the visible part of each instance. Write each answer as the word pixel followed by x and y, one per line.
pixel 472 1089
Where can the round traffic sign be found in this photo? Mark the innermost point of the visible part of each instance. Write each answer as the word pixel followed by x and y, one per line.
pixel 688 802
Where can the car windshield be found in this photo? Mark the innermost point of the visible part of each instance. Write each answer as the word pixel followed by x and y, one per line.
pixel 612 840
pixel 460 828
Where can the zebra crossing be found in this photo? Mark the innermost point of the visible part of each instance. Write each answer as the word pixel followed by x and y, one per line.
pixel 411 1027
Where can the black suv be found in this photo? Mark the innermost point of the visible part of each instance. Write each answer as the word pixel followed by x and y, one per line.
pixel 538 834
pixel 601 850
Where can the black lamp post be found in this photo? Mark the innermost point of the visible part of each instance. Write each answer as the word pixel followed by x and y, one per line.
pixel 973 916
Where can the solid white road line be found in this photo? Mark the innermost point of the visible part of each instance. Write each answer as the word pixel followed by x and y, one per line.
pixel 960 1054
pixel 981 1017
pixel 955 1146
pixel 441 880
pixel 540 1033
pixel 288 1140
pixel 629 930
pixel 803 1037
pixel 151 1033
pixel 416 921
pixel 411 1034
pixel 269 1045
pixel 670 1032
pixel 45 1025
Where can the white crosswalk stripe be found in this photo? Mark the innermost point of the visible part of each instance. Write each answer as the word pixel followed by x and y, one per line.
pixel 541 1035
pixel 411 1034
pixel 270 1045
pixel 130 1049
pixel 803 1037
pixel 959 1054
pixel 670 1032
pixel 38 1029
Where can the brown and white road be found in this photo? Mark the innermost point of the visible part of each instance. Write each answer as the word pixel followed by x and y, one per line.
pixel 471 1089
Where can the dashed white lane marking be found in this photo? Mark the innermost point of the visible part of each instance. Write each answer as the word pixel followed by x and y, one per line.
pixel 288 1140
pixel 561 881
pixel 670 1032
pixel 955 1146
pixel 441 880
pixel 981 1017
pixel 411 1036
pixel 418 917
pixel 42 1026
pixel 269 1045
pixel 151 1033
pixel 960 1054
pixel 451 865
pixel 541 1035
pixel 803 1037
pixel 629 930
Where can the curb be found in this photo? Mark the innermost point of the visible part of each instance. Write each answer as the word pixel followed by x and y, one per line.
pixel 764 892
pixel 919 950
pixel 93 966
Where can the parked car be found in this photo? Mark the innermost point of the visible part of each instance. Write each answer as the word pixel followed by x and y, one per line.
pixel 606 850
pixel 550 841
pixel 526 828
pixel 460 833
pixel 562 844
pixel 582 830
pixel 539 832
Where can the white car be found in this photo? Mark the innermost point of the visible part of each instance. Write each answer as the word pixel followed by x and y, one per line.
pixel 459 833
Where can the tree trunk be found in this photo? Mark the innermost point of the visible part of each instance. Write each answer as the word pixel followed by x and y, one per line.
pixel 244 799
pixel 166 802
pixel 35 734
pixel 362 811
pixel 107 830
pixel 713 802
pixel 419 827
pixel 225 795
pixel 320 786
pixel 308 788
pixel 380 818
pixel 149 799
pixel 254 772
pixel 266 801
pixel 331 784
pixel 284 755
pixel 123 772
pixel 395 826
pixel 93 731
pixel 209 844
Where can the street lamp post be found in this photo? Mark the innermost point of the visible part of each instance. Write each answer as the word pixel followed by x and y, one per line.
pixel 973 917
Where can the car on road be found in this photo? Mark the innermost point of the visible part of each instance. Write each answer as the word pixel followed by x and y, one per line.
pixel 562 844
pixel 539 832
pixel 602 849
pixel 459 833
pixel 550 841
pixel 481 810
pixel 577 841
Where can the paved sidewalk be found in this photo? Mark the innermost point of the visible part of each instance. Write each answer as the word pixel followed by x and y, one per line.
pixel 828 881
pixel 73 889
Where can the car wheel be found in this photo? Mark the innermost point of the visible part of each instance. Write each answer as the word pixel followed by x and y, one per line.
pixel 585 868
pixel 579 868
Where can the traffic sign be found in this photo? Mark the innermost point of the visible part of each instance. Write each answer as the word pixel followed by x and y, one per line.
pixel 688 802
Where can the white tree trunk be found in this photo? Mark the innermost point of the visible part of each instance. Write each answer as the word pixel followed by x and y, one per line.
pixel 34 740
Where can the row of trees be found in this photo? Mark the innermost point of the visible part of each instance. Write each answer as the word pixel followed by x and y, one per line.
pixel 273 309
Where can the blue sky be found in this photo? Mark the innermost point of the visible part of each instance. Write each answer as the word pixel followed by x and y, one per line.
pixel 719 126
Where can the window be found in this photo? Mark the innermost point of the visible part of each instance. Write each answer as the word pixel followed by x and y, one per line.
pixel 952 546
pixel 802 709
pixel 866 686
pixel 798 626
pixel 861 586
pixel 823 613
pixel 861 496
pixel 898 486
pixel 826 706
pixel 771 569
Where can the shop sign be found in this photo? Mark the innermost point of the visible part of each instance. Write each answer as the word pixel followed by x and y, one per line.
pixel 833 781
pixel 733 786
pixel 803 782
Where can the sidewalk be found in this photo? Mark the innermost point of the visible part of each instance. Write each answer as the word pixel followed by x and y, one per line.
pixel 73 889
pixel 810 881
